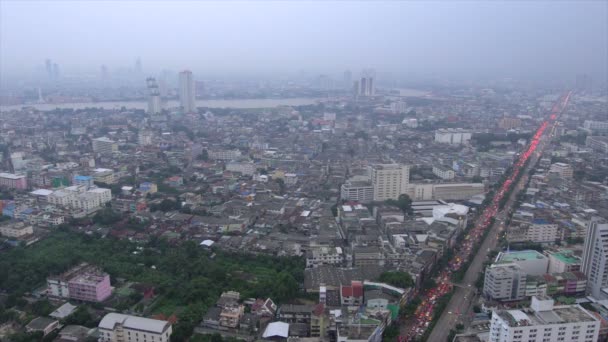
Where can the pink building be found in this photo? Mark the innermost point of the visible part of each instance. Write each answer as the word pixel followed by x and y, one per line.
pixel 13 181
pixel 90 287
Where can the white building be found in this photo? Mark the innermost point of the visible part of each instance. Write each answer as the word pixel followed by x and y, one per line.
pixel 544 322
pixel 562 169
pixel 452 136
pixel 444 172
pixel 359 191
pixel 245 168
pixel 224 154
pixel 399 107
pixel 597 143
pixel 595 257
pixel 115 327
pixel 504 282
pixel 154 100
pixel 542 231
pixel 144 138
pixel 186 91
pixel 102 175
pixel 389 180
pixel 596 126
pixel 16 229
pixel 104 145
pixel 324 256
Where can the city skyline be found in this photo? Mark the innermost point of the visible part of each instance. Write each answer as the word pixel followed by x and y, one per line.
pixel 455 39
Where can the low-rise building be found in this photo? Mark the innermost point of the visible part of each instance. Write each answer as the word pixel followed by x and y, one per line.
pixel 115 327
pixel 324 256
pixel 16 229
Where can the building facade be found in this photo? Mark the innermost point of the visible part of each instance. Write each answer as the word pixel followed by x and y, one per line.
pixel 544 322
pixel 186 91
pixel 595 257
pixel 389 180
pixel 115 327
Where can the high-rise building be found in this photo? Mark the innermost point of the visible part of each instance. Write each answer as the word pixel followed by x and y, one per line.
pixel 544 322
pixel 583 83
pixel 104 72
pixel 49 69
pixel 186 91
pixel 138 69
pixel 389 180
pixel 348 78
pixel 595 257
pixel 55 71
pixel 154 100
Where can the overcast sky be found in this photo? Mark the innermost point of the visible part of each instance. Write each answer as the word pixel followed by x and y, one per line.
pixel 503 38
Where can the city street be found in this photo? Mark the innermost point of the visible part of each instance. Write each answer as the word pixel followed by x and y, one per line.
pixel 460 306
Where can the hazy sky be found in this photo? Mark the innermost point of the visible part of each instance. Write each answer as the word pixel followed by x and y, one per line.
pixel 516 37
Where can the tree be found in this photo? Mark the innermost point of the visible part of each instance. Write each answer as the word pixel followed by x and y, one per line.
pixel 397 278
pixel 204 155
pixel 404 202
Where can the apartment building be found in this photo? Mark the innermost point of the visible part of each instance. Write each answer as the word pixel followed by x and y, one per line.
pixel 359 191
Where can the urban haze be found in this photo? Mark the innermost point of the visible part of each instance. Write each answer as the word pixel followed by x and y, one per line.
pixel 303 171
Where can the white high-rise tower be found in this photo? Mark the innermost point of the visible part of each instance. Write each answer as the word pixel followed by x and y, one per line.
pixel 186 91
pixel 595 257
pixel 154 101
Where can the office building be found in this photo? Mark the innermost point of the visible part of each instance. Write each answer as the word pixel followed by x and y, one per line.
pixel 389 180
pixel 104 145
pixel 595 257
pixel 562 169
pixel 186 92
pixel 358 191
pixel 596 126
pixel 504 282
pixel 544 322
pixel 597 143
pixel 115 327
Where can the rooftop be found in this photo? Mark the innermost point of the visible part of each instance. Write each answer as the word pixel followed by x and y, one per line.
pixel 110 320
pixel 520 256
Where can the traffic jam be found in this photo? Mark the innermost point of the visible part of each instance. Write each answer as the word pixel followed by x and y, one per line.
pixel 424 313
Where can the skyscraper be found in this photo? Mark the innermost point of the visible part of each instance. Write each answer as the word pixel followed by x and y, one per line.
pixel 348 78
pixel 55 71
pixel 186 91
pixel 366 85
pixel 104 72
pixel 595 257
pixel 49 69
pixel 138 68
pixel 154 102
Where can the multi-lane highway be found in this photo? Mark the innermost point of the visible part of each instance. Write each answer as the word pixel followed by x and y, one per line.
pixel 460 303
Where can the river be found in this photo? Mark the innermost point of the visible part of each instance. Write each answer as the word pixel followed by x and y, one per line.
pixel 237 103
